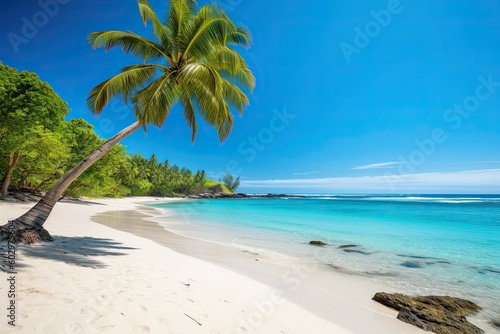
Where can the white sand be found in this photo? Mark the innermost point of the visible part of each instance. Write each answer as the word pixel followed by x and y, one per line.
pixel 95 279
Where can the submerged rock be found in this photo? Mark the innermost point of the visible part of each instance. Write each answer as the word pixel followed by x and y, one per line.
pixel 335 267
pixel 438 314
pixel 495 323
pixel 417 257
pixel 317 243
pixel 356 251
pixel 412 264
pixel 487 270
pixel 347 246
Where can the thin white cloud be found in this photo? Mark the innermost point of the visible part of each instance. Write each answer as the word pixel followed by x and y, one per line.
pixel 483 162
pixel 479 181
pixel 309 173
pixel 392 164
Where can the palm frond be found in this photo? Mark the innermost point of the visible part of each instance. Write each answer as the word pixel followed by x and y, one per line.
pixel 204 74
pixel 211 107
pixel 230 61
pixel 205 33
pixel 225 125
pixel 189 115
pixel 235 96
pixel 129 42
pixel 180 13
pixel 162 31
pixel 239 36
pixel 154 102
pixel 121 84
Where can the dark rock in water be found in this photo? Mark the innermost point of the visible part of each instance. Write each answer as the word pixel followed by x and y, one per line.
pixel 356 251
pixel 438 314
pixel 417 257
pixel 317 243
pixel 409 317
pixel 412 264
pixel 495 323
pixel 334 267
pixel 347 246
pixel 487 270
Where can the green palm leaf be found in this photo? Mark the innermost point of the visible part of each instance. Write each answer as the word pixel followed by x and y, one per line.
pixel 230 61
pixel 181 12
pixel 129 42
pixel 154 102
pixel 189 61
pixel 189 115
pixel 204 34
pixel 235 96
pixel 121 84
pixel 161 31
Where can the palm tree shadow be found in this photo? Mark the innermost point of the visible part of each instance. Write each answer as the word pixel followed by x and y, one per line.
pixel 78 251
pixel 80 201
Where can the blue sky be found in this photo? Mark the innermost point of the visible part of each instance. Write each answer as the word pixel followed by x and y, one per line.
pixel 351 96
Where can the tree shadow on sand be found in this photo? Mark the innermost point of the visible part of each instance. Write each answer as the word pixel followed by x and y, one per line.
pixel 79 251
pixel 80 201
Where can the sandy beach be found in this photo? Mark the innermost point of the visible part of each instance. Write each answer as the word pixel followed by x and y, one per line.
pixel 121 278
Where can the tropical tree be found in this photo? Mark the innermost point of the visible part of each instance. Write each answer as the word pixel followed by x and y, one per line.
pixel 189 62
pixel 43 161
pixel 230 182
pixel 29 109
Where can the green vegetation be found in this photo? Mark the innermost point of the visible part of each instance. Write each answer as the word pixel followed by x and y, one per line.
pixel 190 61
pixel 37 147
pixel 217 186
pixel 31 117
pixel 230 182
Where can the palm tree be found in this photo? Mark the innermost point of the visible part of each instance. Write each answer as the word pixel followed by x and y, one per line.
pixel 190 62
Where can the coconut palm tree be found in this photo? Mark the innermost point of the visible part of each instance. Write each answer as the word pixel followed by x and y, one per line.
pixel 189 62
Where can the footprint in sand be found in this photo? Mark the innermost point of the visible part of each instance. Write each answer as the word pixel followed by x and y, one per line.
pixel 73 327
pixel 142 329
pixel 33 290
pixel 105 328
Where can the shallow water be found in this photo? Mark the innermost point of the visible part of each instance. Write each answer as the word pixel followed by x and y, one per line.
pixel 439 244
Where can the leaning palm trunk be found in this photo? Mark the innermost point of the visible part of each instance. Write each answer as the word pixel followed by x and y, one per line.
pixel 29 226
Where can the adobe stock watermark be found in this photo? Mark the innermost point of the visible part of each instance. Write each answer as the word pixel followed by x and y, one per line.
pixel 454 117
pixel 254 144
pixel 107 125
pixel 31 26
pixel 230 5
pixel 364 36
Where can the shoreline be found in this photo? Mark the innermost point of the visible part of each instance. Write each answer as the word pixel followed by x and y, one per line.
pixel 98 270
pixel 104 280
pixel 363 284
pixel 305 285
pixel 392 270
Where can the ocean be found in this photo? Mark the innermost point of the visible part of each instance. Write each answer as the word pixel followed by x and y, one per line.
pixel 415 244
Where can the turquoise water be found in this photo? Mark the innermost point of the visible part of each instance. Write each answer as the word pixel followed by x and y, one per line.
pixel 439 244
